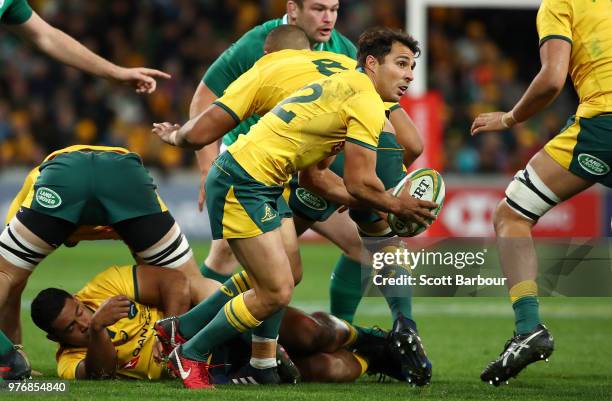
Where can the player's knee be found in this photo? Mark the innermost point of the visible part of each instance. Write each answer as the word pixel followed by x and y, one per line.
pixel 527 199
pixel 276 297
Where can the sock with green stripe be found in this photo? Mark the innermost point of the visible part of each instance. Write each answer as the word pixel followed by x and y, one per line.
pixel 524 297
pixel 211 274
pixel 234 318
pixel 5 344
pixel 194 320
pixel 345 290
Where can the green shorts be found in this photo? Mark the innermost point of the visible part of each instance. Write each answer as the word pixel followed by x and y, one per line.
pixel 240 206
pixel 94 188
pixel 584 147
pixel 389 169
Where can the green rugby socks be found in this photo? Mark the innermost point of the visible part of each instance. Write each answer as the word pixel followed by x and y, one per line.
pixel 195 319
pixel 213 275
pixel 345 290
pixel 5 344
pixel 526 306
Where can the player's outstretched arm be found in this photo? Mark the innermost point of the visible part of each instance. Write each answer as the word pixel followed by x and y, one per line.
pixel 67 50
pixel 361 182
pixel 319 179
pixel 206 128
pixel 101 359
pixel 545 87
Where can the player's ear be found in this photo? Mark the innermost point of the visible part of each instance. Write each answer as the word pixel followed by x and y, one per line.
pixel 292 10
pixel 371 62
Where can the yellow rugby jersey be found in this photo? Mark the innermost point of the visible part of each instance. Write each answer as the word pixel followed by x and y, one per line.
pixel 133 336
pixel 310 125
pixel 275 76
pixel 587 25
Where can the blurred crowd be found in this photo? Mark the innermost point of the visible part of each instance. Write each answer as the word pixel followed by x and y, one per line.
pixel 483 61
pixel 45 105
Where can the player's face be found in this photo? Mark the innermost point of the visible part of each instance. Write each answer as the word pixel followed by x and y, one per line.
pixel 395 74
pixel 317 18
pixel 72 324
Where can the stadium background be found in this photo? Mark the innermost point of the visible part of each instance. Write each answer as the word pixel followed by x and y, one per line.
pixel 478 60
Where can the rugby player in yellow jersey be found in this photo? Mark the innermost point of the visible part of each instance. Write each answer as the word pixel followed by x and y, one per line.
pixel 289 65
pixel 575 36
pixel 244 187
pixel 79 186
pixel 107 330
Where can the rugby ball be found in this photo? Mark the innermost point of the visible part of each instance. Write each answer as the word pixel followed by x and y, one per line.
pixel 426 184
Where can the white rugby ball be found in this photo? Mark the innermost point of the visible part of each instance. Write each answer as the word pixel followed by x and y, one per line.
pixel 426 184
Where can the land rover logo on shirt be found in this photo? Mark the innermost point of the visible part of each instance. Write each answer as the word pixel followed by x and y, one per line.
pixel 311 200
pixel 48 198
pixel 592 164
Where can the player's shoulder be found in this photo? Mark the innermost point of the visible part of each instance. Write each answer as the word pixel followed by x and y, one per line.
pixel 324 54
pixel 109 282
pixel 338 43
pixel 357 80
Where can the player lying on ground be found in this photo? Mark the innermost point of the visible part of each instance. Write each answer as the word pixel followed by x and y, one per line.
pixel 244 189
pixel 107 330
pixel 317 19
pixel 83 186
pixel 571 162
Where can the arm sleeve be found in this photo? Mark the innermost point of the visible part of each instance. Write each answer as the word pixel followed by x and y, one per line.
pixel 116 280
pixel 67 361
pixel 554 20
pixel 240 97
pixel 236 60
pixel 364 115
pixel 17 13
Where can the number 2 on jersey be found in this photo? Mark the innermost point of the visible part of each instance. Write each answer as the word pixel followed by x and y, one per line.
pixel 287 116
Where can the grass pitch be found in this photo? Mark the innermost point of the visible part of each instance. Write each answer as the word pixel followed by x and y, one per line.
pixel 461 336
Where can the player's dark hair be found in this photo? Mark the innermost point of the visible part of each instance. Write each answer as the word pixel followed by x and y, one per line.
pixel 377 42
pixel 286 37
pixel 300 3
pixel 47 306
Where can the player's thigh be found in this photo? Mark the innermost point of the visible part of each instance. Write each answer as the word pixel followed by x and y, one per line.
pixel 560 181
pixel 27 239
pixel 290 243
pixel 266 261
pixel 583 148
pixel 342 231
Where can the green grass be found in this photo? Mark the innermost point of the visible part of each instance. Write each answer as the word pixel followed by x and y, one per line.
pixel 461 335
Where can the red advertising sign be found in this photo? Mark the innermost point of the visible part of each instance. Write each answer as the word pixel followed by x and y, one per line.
pixel 468 212
pixel 425 111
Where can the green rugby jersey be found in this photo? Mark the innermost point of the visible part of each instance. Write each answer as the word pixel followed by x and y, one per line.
pixel 14 12
pixel 243 54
